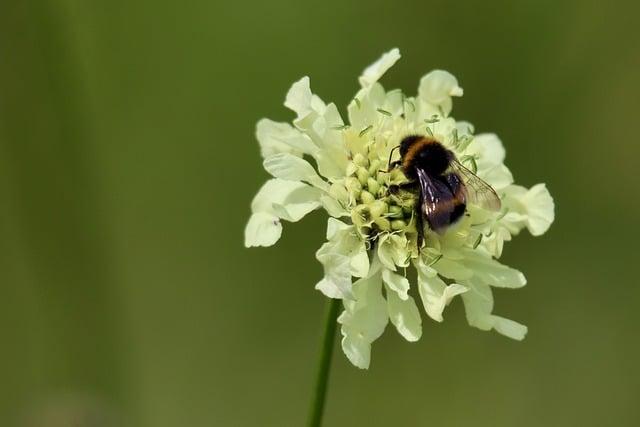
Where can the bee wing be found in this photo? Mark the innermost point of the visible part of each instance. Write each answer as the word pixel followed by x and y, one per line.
pixel 478 192
pixel 436 201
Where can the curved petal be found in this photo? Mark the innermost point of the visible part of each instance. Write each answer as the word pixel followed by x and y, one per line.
pixel 298 203
pixel 393 251
pixel 509 328
pixel 535 206
pixel 278 199
pixel 289 167
pixel 363 320
pixel 376 70
pixel 436 295
pixel 489 150
pixel 359 262
pixel 540 209
pixel 336 282
pixel 289 200
pixel 438 87
pixel 405 316
pixel 275 137
pixel 357 350
pixel 478 304
pixel 498 176
pixel 397 283
pixel 452 269
pixel 263 229
pixel 491 272
pixel 299 97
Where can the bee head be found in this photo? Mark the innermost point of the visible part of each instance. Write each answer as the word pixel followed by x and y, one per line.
pixel 407 142
pixel 433 158
pixel 426 153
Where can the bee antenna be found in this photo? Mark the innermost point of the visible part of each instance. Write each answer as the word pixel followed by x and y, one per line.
pixel 390 156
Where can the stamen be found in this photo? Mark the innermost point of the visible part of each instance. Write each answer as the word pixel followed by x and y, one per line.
pixel 410 102
pixel 365 130
pixel 436 259
pixel 477 242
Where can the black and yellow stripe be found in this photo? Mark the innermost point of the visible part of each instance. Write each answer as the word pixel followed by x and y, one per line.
pixel 414 146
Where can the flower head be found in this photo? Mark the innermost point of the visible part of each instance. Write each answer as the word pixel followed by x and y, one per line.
pixel 323 162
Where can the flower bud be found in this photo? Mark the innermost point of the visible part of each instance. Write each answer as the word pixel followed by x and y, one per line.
pixel 364 232
pixel 378 208
pixel 374 167
pixel 408 205
pixel 398 224
pixel 361 215
pixel 373 186
pixel 395 211
pixel 360 160
pixel 383 224
pixel 351 168
pixel 363 175
pixel 353 185
pixel 366 197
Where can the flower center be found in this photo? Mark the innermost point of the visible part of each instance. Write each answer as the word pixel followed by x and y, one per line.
pixel 377 204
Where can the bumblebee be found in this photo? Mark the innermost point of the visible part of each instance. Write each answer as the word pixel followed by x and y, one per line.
pixel 444 186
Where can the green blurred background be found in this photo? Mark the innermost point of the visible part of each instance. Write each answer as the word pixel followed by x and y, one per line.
pixel 128 162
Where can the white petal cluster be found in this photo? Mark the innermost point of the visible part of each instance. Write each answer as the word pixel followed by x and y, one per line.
pixel 325 162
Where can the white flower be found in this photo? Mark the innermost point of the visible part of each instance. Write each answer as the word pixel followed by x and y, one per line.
pixel 320 162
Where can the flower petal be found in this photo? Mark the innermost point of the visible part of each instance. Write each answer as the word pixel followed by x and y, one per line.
pixel 491 272
pixel 299 97
pixel 536 205
pixel 376 70
pixel 278 199
pixel 452 269
pixel 436 295
pixel 405 316
pixel 357 350
pixel 540 209
pixel 289 167
pixel 509 328
pixel 289 200
pixel 363 320
pixel 397 283
pixel 478 304
pixel 489 150
pixel 336 282
pixel 437 88
pixel 393 251
pixel 298 203
pixel 498 176
pixel 335 226
pixel 275 137
pixel 263 229
pixel 343 241
pixel 359 261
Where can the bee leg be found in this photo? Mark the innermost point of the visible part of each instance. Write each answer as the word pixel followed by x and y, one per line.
pixel 419 224
pixel 391 166
pixel 395 188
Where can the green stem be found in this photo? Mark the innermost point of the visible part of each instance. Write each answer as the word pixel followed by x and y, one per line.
pixel 324 363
